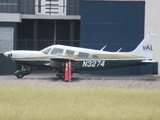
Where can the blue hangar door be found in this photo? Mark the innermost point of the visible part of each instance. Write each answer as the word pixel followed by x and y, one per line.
pixel 115 24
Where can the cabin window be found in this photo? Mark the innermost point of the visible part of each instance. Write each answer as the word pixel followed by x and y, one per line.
pixel 94 56
pixel 69 53
pixel 57 51
pixel 83 55
pixel 46 50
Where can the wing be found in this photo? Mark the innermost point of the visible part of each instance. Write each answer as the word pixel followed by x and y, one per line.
pixel 62 59
pixel 59 62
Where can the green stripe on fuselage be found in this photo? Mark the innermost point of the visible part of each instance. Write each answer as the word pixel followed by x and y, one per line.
pixel 107 64
pixel 33 63
pixel 90 64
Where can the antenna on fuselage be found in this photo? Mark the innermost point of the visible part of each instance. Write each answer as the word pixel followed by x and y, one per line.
pixel 103 48
pixel 119 49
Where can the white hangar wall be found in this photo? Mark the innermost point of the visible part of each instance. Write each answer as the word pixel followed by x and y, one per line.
pixel 152 25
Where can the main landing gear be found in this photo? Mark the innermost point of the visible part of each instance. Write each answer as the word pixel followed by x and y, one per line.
pixel 65 73
pixel 21 73
pixel 60 74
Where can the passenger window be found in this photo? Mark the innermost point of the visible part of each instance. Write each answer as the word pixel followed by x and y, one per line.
pixel 69 53
pixel 95 56
pixel 46 50
pixel 83 55
pixel 57 51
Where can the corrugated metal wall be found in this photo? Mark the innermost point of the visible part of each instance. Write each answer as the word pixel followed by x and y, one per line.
pixel 28 6
pixel 17 6
pixel 7 66
pixel 115 23
pixel 9 6
pixel 73 7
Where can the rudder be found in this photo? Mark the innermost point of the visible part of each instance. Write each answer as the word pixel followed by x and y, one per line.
pixel 146 47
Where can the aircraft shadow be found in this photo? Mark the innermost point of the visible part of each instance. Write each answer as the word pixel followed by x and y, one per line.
pixel 52 79
pixel 89 78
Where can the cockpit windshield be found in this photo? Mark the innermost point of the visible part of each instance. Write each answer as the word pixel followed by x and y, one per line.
pixel 46 50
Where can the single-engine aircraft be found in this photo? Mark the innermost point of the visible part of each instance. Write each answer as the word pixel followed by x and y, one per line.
pixel 56 56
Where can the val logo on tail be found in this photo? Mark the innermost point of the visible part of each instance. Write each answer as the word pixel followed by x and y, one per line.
pixel 57 56
pixel 147 47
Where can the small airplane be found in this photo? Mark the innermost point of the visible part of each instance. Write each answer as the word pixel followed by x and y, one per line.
pixel 56 56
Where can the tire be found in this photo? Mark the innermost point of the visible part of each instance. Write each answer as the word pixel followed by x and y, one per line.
pixel 20 76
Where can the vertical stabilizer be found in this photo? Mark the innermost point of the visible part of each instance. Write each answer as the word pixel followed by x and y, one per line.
pixel 146 47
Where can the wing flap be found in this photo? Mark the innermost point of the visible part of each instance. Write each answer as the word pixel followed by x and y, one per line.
pixel 59 62
pixel 62 59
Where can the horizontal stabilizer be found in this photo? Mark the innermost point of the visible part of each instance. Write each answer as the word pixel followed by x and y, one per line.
pixel 149 61
pixel 47 64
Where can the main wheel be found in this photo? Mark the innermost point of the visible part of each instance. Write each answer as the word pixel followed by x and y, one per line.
pixel 20 76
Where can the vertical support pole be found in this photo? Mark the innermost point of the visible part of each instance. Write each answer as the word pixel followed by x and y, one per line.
pixel 15 37
pixel 25 44
pixel 50 8
pixel 35 33
pixel 55 32
pixel 19 6
pixel 72 30
pixel 39 6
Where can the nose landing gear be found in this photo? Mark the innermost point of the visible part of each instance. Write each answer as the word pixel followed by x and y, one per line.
pixel 21 73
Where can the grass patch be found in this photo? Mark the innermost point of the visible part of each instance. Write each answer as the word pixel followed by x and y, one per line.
pixel 45 103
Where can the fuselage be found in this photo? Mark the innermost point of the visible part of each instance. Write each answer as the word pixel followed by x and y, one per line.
pixel 87 59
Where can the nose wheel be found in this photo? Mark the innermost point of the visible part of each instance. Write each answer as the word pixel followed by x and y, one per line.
pixel 21 73
pixel 20 76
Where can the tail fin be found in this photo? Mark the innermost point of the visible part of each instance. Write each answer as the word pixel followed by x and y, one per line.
pixel 146 47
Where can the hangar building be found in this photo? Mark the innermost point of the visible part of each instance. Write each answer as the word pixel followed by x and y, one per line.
pixel 35 24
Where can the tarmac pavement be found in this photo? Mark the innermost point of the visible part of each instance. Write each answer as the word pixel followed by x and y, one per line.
pixel 84 80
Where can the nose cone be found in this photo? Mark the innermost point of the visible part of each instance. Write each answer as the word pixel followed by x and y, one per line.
pixel 8 54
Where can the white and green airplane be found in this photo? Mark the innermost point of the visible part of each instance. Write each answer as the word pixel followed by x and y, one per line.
pixel 56 56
